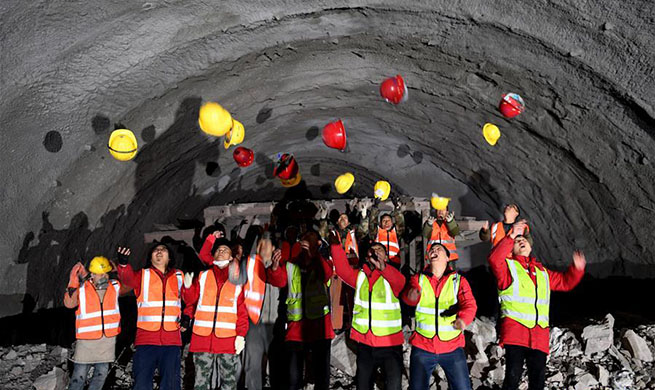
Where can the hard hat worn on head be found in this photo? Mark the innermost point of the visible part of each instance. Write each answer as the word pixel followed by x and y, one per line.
pixel 100 265
pixel 344 182
pixel 122 144
pixel 214 119
pixel 382 189
pixel 491 133
pixel 334 135
pixel 235 135
pixel 439 202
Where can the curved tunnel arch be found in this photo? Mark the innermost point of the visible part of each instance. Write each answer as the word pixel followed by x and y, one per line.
pixel 576 161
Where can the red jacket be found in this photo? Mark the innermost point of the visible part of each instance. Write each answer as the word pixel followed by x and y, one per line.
pixel 206 250
pixel 131 278
pixel 211 343
pixel 349 275
pixel 512 332
pixel 467 309
pixel 305 330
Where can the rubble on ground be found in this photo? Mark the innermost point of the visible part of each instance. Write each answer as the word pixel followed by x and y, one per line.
pixel 621 359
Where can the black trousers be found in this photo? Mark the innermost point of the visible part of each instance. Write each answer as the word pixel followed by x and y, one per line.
pixel 320 363
pixel 370 358
pixel 535 360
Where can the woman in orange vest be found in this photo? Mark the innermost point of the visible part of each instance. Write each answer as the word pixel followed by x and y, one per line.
pixel 441 230
pixel 216 301
pixel 158 288
pixel 388 231
pixel 503 228
pixel 97 321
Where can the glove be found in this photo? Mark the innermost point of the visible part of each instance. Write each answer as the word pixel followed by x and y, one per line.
pixel 188 279
pixel 185 321
pixel 74 277
pixel 239 344
pixel 450 217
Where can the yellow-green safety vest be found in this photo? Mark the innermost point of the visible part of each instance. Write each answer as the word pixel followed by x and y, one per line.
pixel 429 321
pixel 316 300
pixel 377 310
pixel 523 301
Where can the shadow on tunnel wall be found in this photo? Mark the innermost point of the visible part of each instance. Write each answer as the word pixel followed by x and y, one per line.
pixel 163 185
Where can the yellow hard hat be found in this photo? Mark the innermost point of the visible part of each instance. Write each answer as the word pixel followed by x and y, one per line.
pixel 491 133
pixel 291 182
pixel 382 189
pixel 344 182
pixel 214 119
pixel 439 202
pixel 235 135
pixel 122 144
pixel 99 265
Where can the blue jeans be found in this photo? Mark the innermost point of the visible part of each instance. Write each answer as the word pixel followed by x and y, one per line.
pixel 81 371
pixel 422 364
pixel 165 358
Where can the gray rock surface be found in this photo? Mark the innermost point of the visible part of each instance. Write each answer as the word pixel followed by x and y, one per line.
pixel 285 67
pixel 54 380
pixel 599 338
pixel 637 346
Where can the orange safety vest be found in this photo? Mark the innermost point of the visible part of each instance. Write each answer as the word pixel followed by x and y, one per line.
pixel 216 311
pixel 498 232
pixel 93 318
pixel 440 235
pixel 156 305
pixel 389 239
pixel 351 242
pixel 255 287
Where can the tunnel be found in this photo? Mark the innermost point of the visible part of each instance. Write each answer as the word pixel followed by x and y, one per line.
pixel 578 160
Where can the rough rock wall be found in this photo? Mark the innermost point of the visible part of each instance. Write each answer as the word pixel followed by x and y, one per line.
pixel 577 160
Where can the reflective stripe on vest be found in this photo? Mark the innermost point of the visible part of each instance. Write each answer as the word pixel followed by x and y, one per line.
pixel 255 287
pixel 524 302
pixel 429 321
pixel 212 314
pixel 389 239
pixel 440 235
pixel 377 310
pixel 93 318
pixel 317 300
pixel 157 304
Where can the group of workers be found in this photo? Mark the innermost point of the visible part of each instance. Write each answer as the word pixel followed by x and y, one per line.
pixel 336 265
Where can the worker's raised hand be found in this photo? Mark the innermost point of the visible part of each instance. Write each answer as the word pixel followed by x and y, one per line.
pixel 188 279
pixel 579 260
pixel 333 239
pixel 219 233
pixel 352 203
pixel 485 227
pixel 75 275
pixel 123 255
pixel 518 228
pixel 275 259
pixel 265 249
pixel 413 294
pixel 363 206
pixel 459 324
pixel 430 220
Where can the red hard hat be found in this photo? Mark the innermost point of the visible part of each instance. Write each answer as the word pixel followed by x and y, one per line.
pixel 394 89
pixel 511 105
pixel 334 135
pixel 243 156
pixel 286 167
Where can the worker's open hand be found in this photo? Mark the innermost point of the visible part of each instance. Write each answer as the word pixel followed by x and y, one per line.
pixel 219 233
pixel 430 220
pixel 123 255
pixel 485 227
pixel 265 249
pixel 275 259
pixel 518 228
pixel 450 216
pixel 239 344
pixel 363 206
pixel 413 294
pixel 188 279
pixel 579 260
pixel 352 203
pixel 459 324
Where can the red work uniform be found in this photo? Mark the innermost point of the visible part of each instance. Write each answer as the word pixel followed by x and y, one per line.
pixel 512 332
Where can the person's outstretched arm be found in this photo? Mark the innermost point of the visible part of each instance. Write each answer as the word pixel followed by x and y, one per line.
pixel 566 281
pixel 342 266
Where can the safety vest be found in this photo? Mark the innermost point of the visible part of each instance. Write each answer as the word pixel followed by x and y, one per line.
pixel 93 318
pixel 157 304
pixel 315 295
pixel 216 311
pixel 498 232
pixel 440 235
pixel 255 287
pixel 523 301
pixel 351 242
pixel 429 321
pixel 377 310
pixel 389 239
